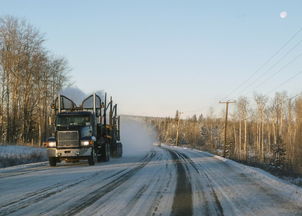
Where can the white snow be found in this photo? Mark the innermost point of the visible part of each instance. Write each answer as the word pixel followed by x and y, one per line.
pixel 286 189
pixel 245 190
pixel 15 154
pixel 144 182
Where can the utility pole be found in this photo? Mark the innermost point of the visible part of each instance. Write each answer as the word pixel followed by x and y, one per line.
pixel 178 116
pixel 226 124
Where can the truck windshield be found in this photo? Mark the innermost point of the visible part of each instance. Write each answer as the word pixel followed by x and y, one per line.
pixel 71 120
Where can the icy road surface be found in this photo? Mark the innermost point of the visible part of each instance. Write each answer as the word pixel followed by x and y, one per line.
pixel 148 180
pixel 165 181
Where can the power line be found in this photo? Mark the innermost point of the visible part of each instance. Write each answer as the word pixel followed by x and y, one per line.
pixel 280 70
pixel 284 82
pixel 265 63
pixel 295 96
pixel 274 65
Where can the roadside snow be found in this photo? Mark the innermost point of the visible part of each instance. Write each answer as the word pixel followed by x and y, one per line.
pixel 11 155
pixel 287 189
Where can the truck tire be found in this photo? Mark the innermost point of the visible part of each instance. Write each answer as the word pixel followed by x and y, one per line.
pixel 114 150
pixel 92 158
pixel 98 151
pixel 120 149
pixel 99 158
pixel 117 150
pixel 52 161
pixel 106 153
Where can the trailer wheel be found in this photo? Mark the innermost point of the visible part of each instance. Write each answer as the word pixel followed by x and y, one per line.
pixel 121 150
pixel 52 161
pixel 114 150
pixel 106 153
pixel 99 158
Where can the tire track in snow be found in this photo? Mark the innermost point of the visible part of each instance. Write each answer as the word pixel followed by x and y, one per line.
pixel 245 205
pixel 135 199
pixel 28 196
pixel 91 198
pixel 218 207
pixel 148 192
pixel 34 197
pixel 21 171
pixel 162 190
pixel 182 204
pixel 212 205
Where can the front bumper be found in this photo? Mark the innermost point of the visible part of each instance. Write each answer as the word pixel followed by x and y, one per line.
pixel 69 153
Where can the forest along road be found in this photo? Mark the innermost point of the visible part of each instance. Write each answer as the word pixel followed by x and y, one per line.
pixel 165 181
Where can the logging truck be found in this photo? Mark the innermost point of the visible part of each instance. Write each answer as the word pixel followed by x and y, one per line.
pixel 89 132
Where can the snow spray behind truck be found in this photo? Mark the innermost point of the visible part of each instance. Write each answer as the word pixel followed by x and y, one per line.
pixel 90 131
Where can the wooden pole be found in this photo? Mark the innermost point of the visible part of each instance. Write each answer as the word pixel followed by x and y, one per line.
pixel 179 113
pixel 226 124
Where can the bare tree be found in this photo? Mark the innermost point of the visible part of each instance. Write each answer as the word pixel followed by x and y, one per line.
pixel 242 107
pixel 261 101
pixel 30 78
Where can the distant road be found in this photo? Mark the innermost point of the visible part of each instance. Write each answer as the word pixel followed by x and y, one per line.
pixel 165 181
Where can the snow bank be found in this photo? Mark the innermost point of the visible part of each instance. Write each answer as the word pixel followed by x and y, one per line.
pixel 136 136
pixel 11 155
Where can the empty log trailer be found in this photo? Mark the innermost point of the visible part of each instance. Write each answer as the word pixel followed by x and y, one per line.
pixel 90 131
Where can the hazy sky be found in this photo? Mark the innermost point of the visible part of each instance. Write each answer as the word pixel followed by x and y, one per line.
pixel 157 56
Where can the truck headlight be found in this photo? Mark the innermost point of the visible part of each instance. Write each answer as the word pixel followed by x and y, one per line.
pixel 85 143
pixel 51 144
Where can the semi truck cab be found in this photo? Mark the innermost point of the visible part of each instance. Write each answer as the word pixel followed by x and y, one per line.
pixel 74 138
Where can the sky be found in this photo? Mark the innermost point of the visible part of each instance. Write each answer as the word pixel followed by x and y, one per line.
pixel 156 57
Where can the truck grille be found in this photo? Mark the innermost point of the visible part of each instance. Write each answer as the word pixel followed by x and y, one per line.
pixel 68 138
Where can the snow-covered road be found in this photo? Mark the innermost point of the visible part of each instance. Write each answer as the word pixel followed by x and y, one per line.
pixel 164 181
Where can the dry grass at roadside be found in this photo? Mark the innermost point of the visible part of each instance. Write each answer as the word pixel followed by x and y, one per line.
pixel 16 155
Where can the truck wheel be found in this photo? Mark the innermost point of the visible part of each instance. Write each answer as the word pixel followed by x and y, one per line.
pixel 92 158
pixel 121 150
pixel 52 161
pixel 106 153
pixel 113 150
pixel 98 154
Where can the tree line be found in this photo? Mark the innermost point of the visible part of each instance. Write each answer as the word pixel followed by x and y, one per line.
pixel 30 78
pixel 263 131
